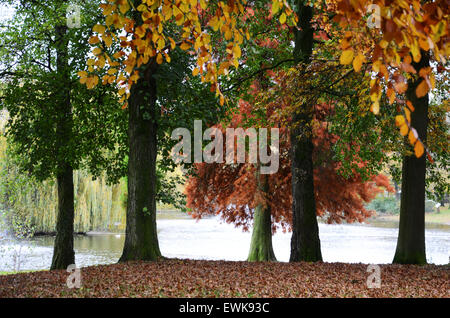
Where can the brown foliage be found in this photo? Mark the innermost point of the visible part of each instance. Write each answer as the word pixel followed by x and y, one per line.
pixel 191 278
pixel 232 192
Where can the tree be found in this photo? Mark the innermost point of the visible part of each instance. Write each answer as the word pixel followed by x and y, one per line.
pixel 51 125
pixel 240 194
pixel 305 242
pixel 411 235
pixel 138 71
pixel 412 34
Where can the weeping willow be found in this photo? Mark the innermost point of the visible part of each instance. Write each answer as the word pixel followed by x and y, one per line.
pixel 98 206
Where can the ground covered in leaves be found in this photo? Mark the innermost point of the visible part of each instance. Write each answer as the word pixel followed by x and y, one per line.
pixel 191 278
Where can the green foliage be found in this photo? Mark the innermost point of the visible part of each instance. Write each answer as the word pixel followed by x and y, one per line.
pixel 429 206
pixel 33 89
pixel 384 205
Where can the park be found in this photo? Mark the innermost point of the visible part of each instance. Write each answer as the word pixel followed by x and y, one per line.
pixel 224 149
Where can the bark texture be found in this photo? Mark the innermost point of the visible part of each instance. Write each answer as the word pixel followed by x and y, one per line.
pixel 141 240
pixel 411 235
pixel 63 252
pixel 261 248
pixel 305 242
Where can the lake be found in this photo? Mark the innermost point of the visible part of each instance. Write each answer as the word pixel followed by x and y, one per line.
pixel 213 239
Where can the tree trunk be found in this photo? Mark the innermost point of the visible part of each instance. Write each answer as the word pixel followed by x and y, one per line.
pixel 411 234
pixel 305 242
pixel 141 240
pixel 63 253
pixel 261 248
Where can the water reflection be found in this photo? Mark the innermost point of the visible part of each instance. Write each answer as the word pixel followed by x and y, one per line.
pixel 212 239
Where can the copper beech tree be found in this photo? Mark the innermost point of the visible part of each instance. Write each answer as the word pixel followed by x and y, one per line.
pixel 240 194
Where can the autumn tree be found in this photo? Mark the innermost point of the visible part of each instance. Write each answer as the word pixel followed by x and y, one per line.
pixel 149 33
pixel 408 36
pixel 240 194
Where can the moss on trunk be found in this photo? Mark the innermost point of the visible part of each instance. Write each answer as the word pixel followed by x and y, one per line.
pixel 261 248
pixel 141 241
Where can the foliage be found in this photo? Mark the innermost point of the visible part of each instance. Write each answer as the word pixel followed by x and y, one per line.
pixel 148 30
pixel 231 191
pixel 403 31
pixel 384 205
pixel 32 90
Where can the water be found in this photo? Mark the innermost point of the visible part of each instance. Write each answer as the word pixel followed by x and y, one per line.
pixel 213 239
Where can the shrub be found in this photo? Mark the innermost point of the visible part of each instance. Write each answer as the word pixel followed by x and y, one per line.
pixel 384 205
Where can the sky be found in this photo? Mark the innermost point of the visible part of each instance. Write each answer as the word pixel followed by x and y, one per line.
pixel 5 12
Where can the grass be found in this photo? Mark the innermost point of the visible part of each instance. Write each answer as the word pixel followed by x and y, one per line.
pixel 443 217
pixel 15 272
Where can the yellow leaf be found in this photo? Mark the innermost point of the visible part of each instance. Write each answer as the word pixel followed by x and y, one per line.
pixel 283 18
pixel 99 28
pixel 415 51
pixel 375 107
pixel 376 66
pixel 185 46
pixel 108 40
pixel 399 120
pixel 418 149
pixel 161 43
pixel 124 7
pixel 107 9
pixel 142 7
pixel 214 23
pixel 159 58
pixel 237 51
pixel 167 12
pixel 407 114
pixel 346 57
pixel 140 31
pixel 112 71
pixel 412 138
pixel 358 61
pixel 275 7
pixel 97 51
pixel 94 39
pixel 195 71
pixel 404 129
pixel 90 62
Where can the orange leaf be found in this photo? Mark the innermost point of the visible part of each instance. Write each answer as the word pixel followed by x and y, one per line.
pixel 418 149
pixel 422 89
